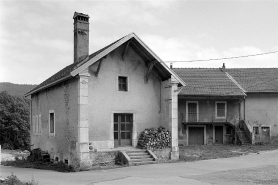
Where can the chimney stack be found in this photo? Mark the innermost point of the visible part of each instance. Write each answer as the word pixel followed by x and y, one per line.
pixel 81 36
pixel 224 67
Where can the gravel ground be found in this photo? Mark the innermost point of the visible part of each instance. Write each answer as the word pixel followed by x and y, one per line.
pixel 266 175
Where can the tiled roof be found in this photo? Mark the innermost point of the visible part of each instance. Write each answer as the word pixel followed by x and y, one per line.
pixel 65 72
pixel 256 79
pixel 207 82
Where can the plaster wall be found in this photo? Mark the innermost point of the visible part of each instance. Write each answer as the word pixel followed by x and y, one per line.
pixel 207 115
pixel 262 110
pixel 143 100
pixel 62 99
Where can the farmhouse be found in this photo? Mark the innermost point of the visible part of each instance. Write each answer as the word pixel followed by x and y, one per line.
pixel 103 100
pixel 219 105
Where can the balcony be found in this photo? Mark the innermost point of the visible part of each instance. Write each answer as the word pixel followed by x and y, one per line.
pixel 202 118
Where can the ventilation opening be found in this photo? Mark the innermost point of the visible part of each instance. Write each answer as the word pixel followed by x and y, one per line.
pixel 82 18
pixel 66 161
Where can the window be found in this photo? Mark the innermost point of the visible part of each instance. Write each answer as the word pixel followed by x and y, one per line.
pixel 221 109
pixel 122 81
pixel 228 130
pixel 51 123
pixel 37 124
pixel 256 130
pixel 34 124
pixel 40 124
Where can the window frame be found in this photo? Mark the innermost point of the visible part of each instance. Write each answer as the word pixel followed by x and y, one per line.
pixel 186 111
pixel 228 128
pixel 216 109
pixel 51 112
pixel 40 125
pixel 127 83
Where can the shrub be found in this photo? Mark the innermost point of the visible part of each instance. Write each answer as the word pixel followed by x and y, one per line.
pixel 13 180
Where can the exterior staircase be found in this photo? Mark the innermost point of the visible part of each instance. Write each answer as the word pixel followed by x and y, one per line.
pixel 137 157
pixel 242 137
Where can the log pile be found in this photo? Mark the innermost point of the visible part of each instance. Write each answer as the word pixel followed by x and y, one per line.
pixel 154 138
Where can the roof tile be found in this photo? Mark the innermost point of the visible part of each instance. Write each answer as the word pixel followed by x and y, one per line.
pixel 208 82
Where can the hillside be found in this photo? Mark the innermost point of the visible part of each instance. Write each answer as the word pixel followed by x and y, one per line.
pixel 16 89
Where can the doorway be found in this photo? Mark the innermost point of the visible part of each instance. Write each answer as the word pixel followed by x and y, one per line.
pixel 218 134
pixel 122 129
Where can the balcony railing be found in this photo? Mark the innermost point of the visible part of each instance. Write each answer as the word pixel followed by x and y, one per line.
pixel 202 117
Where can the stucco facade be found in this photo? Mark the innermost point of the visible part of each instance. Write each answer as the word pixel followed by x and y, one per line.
pixel 207 118
pixel 145 101
pixel 62 101
pixel 261 110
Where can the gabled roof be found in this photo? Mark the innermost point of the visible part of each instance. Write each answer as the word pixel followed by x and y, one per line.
pixel 135 43
pixel 207 82
pixel 255 80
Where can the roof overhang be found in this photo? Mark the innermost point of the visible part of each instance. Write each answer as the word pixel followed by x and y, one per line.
pixel 48 85
pixel 141 46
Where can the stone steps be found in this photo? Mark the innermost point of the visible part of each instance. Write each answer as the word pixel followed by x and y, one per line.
pixel 139 157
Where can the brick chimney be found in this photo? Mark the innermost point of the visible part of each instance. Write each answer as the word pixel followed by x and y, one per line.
pixel 81 36
pixel 224 67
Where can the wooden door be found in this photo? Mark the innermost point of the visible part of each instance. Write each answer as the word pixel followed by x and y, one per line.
pixel 122 129
pixel 192 112
pixel 195 135
pixel 218 132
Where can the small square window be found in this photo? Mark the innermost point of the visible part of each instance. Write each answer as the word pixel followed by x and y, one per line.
pixel 122 81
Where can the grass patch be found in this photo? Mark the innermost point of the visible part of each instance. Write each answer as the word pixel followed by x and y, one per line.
pixel 204 152
pixel 13 180
pixel 24 163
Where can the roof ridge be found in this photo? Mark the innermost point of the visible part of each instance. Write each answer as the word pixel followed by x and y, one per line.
pixel 235 82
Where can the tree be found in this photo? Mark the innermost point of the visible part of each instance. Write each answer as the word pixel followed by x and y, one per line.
pixel 14 122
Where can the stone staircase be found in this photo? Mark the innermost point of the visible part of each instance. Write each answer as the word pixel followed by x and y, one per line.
pixel 242 137
pixel 138 157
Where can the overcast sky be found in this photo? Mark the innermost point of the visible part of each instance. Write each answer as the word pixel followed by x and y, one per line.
pixel 37 36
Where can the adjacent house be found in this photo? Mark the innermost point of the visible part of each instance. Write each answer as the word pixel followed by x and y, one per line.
pixel 217 103
pixel 103 100
pixel 209 106
pixel 260 107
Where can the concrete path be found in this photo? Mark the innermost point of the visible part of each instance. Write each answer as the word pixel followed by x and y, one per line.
pixel 250 169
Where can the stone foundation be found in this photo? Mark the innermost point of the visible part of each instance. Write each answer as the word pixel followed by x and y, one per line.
pixel 103 158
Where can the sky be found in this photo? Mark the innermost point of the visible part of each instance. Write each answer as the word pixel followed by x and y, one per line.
pixel 36 37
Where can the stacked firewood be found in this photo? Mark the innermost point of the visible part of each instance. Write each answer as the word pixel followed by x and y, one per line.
pixel 154 138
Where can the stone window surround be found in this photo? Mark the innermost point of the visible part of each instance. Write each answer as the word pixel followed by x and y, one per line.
pixel 133 132
pixel 216 102
pixel 127 80
pixel 51 111
pixel 186 111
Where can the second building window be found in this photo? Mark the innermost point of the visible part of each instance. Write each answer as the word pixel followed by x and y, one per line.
pixel 122 80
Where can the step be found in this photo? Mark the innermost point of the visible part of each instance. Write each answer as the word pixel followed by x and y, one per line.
pixel 139 156
pixel 141 160
pixel 137 153
pixel 143 163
